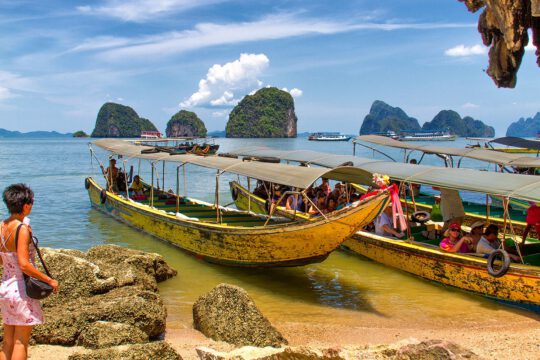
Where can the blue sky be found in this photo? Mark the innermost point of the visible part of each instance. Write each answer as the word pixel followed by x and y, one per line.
pixel 61 60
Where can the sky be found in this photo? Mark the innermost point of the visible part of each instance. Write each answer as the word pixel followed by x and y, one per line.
pixel 60 61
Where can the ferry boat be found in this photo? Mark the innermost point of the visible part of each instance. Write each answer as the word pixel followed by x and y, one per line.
pixel 329 136
pixel 427 135
pixel 151 135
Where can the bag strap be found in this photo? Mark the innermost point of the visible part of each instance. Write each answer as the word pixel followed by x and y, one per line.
pixel 35 246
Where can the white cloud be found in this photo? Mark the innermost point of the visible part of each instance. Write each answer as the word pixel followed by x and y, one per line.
pixel 220 114
pixel 296 92
pixel 211 34
pixel 530 46
pixel 141 10
pixel 462 50
pixel 4 93
pixel 222 81
pixel 469 105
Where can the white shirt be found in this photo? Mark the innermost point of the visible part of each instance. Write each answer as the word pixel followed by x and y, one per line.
pixel 485 247
pixel 451 204
pixel 380 221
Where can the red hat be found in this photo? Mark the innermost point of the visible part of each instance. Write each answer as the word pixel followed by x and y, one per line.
pixel 455 226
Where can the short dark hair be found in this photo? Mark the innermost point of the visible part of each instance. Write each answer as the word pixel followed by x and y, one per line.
pixel 15 196
pixel 492 229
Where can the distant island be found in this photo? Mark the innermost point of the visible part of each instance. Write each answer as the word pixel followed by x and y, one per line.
pixel 115 120
pixel 34 134
pixel 269 113
pixel 383 118
pixel 529 127
pixel 80 134
pixel 185 123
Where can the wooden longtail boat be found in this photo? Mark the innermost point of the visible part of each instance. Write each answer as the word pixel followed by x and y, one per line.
pixel 421 256
pixel 229 236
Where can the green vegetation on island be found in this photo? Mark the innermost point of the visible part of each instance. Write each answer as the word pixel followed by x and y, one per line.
pixel 383 117
pixel 467 126
pixel 185 123
pixel 80 134
pixel 529 127
pixel 269 113
pixel 115 120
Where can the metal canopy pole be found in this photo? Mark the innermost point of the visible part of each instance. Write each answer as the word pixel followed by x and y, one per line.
pixel 152 187
pixel 218 212
pixel 163 178
pixel 249 192
pixel 125 178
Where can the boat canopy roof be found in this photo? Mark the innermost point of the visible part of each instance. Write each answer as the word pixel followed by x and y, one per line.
pixel 495 157
pixel 526 187
pixel 297 176
pixel 518 142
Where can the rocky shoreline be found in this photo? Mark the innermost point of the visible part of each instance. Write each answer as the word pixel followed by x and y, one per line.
pixel 109 308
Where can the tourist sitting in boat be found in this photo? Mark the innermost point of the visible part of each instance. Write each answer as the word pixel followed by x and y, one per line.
pixel 330 205
pixel 137 186
pixel 320 202
pixel 111 173
pixel 490 242
pixel 452 210
pixel 325 186
pixel 474 236
pixel 121 182
pixel 453 242
pixel 294 202
pixel 532 219
pixel 384 224
pixel 261 189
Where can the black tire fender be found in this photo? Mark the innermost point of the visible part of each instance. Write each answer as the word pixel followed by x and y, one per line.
pixel 103 196
pixel 87 183
pixel 234 193
pixel 498 254
pixel 420 216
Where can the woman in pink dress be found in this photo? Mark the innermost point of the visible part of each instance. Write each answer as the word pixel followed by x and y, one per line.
pixel 19 312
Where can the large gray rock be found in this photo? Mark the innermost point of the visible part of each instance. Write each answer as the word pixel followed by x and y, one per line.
pixel 128 305
pixel 227 313
pixel 102 334
pixel 102 269
pixel 157 350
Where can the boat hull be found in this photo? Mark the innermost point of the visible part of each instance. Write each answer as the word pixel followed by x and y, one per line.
pixel 520 286
pixel 288 244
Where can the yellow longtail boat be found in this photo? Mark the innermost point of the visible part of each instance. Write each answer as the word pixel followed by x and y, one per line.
pixel 512 283
pixel 228 236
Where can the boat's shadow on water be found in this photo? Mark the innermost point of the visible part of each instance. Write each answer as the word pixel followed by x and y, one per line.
pixel 316 284
pixel 313 284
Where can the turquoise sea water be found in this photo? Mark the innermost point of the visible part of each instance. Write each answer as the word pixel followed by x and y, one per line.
pixel 344 289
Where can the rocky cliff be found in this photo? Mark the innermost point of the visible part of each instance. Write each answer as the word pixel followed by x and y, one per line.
pixel 269 113
pixel 383 117
pixel 185 123
pixel 529 127
pixel 115 120
pixel 467 126
pixel 503 26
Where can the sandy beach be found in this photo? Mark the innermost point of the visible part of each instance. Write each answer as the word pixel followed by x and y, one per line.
pixel 515 335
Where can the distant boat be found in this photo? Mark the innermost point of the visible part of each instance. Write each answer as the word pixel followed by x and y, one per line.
pixel 329 136
pixel 391 134
pixel 151 135
pixel 429 135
